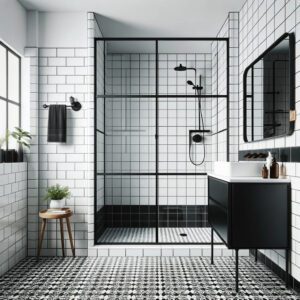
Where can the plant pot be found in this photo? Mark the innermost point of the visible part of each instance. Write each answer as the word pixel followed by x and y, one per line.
pixel 2 156
pixel 11 155
pixel 20 153
pixel 57 203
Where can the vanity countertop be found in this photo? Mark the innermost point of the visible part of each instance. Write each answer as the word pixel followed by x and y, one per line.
pixel 249 179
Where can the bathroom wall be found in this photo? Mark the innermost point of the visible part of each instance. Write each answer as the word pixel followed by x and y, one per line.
pixel 13 214
pixel 13 24
pixel 222 134
pixel 56 74
pixel 261 23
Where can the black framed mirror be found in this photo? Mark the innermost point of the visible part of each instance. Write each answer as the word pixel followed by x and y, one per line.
pixel 269 92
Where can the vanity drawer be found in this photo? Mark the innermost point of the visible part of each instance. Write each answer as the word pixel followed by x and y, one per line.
pixel 218 191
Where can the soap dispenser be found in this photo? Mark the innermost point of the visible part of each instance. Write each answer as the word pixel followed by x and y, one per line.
pixel 269 161
pixel 274 169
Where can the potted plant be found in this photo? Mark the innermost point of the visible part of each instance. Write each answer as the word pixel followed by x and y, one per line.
pixel 2 142
pixel 8 155
pixel 23 139
pixel 57 195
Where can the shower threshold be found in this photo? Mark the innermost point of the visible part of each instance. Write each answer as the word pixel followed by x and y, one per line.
pixel 176 235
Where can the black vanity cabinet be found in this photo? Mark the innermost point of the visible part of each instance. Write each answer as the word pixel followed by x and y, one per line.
pixel 250 215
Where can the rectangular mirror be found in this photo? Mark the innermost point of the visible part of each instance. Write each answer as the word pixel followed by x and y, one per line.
pixel 269 92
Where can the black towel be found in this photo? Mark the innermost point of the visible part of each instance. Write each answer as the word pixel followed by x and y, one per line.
pixel 57 124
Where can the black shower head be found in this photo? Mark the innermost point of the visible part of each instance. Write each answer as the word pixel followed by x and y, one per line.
pixel 180 68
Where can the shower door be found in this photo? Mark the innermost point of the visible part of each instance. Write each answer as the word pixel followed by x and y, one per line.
pixel 151 185
pixel 129 211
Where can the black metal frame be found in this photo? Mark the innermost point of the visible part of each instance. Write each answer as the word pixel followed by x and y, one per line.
pixel 6 99
pixel 156 96
pixel 291 37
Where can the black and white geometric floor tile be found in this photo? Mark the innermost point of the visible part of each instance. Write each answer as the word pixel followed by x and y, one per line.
pixel 140 278
pixel 165 235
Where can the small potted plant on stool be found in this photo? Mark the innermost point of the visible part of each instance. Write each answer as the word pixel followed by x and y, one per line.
pixel 57 195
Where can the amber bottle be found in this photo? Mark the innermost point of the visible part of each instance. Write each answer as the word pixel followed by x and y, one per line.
pixel 264 172
pixel 274 169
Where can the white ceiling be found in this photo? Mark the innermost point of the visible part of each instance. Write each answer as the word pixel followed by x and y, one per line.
pixel 149 18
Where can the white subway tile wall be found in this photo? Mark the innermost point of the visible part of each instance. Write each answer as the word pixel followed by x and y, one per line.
pixel 261 23
pixel 219 84
pixel 13 214
pixel 57 74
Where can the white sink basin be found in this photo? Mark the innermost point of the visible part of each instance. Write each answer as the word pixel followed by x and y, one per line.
pixel 238 169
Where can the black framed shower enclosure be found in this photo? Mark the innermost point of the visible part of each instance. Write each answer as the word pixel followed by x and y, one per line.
pixel 100 50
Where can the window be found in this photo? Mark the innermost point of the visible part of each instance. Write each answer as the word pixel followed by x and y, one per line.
pixel 10 92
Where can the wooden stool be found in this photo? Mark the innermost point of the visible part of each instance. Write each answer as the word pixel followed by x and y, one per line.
pixel 53 214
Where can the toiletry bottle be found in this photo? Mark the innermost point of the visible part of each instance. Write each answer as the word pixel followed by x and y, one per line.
pixel 269 160
pixel 264 172
pixel 282 171
pixel 274 169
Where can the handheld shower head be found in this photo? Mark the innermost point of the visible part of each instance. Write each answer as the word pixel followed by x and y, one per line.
pixel 180 68
pixel 190 82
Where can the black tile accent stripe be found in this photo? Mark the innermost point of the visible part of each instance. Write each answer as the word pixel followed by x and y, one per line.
pixel 288 154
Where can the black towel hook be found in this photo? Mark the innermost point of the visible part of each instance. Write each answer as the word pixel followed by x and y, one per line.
pixel 75 105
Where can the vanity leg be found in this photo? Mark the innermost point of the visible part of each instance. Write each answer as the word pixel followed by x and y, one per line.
pixel 237 270
pixel 255 255
pixel 287 268
pixel 212 247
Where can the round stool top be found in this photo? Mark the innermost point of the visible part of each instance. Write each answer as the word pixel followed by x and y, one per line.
pixel 55 213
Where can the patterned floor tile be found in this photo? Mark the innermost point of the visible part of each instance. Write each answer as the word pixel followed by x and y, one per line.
pixel 157 278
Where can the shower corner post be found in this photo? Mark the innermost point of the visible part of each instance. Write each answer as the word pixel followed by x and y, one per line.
pixel 212 247
pixel 156 141
pixel 95 140
pixel 228 100
pixel 237 270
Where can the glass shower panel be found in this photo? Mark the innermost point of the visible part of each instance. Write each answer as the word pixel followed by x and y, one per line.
pixel 130 203
pixel 130 135
pixel 177 117
pixel 130 210
pixel 180 61
pixel 130 68
pixel 219 67
pixel 183 209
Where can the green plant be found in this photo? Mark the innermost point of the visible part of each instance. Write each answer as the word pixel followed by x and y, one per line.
pixel 57 192
pixel 4 139
pixel 22 137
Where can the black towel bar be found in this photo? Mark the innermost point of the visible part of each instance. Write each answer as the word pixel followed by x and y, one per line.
pixel 75 105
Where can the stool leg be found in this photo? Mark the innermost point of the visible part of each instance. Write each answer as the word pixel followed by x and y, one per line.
pixel 70 236
pixel 41 236
pixel 62 236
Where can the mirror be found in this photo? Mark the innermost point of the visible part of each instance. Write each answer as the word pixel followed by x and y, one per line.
pixel 269 92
